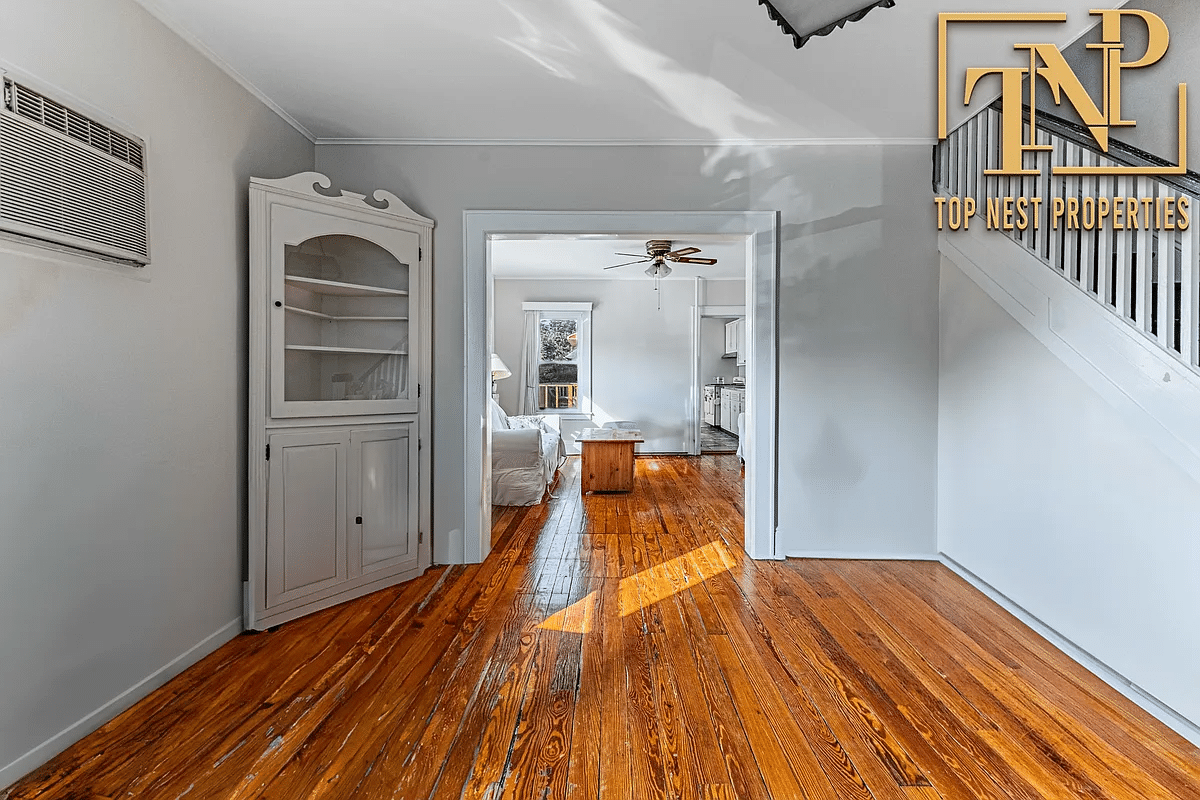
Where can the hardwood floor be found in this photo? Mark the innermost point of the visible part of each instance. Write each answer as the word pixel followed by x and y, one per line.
pixel 622 646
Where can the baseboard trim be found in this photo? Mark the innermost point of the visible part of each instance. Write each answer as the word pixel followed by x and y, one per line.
pixel 39 755
pixel 1152 705
pixel 846 555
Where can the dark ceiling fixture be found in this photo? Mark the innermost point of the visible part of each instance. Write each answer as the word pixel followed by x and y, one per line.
pixel 804 19
pixel 658 253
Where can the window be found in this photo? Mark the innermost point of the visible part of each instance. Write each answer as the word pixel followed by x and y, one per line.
pixel 563 356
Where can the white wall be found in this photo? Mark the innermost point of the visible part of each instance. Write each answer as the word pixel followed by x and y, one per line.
pixel 122 437
pixel 1049 495
pixel 641 354
pixel 858 318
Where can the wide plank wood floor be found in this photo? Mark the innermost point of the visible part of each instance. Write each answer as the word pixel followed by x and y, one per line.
pixel 622 646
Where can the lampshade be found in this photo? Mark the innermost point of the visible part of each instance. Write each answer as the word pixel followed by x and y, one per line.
pixel 803 19
pixel 500 370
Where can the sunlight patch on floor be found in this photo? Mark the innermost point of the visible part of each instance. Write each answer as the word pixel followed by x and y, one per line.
pixel 647 587
pixel 670 577
pixel 575 618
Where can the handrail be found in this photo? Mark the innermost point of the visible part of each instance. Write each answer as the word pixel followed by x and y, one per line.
pixel 1119 152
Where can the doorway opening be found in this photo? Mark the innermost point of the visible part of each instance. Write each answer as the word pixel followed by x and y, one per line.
pixel 753 234
pixel 719 352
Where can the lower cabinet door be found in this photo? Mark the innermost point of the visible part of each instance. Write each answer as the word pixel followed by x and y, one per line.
pixel 306 514
pixel 383 500
pixel 343 514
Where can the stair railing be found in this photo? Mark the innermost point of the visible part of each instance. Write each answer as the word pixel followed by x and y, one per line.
pixel 1150 278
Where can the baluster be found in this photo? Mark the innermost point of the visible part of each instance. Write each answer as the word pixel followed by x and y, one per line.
pixel 943 153
pixel 1145 263
pixel 1056 240
pixel 1040 243
pixel 1104 240
pixel 954 158
pixel 1189 301
pixel 990 160
pixel 968 156
pixel 1124 263
pixel 1023 188
pixel 1088 268
pixel 960 163
pixel 1071 191
pixel 981 162
pixel 1166 243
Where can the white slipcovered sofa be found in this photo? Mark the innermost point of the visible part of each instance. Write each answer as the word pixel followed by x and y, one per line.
pixel 526 452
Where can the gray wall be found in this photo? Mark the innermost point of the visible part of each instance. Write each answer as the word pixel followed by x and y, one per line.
pixel 641 354
pixel 1149 95
pixel 122 477
pixel 858 319
pixel 1046 493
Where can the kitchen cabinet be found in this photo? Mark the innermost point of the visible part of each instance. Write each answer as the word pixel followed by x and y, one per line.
pixel 733 402
pixel 339 351
pixel 731 337
pixel 741 342
pixel 735 340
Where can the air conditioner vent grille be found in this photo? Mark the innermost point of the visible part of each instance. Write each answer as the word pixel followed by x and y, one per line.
pixel 70 180
pixel 41 109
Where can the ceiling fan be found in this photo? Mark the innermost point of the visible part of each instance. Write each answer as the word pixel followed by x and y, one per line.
pixel 658 253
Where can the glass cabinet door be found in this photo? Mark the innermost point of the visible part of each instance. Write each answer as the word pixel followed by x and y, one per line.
pixel 343 317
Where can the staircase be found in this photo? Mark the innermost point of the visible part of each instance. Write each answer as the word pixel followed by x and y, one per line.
pixel 1147 277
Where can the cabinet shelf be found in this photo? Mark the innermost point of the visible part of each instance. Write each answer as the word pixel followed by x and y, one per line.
pixel 340 289
pixel 360 350
pixel 344 317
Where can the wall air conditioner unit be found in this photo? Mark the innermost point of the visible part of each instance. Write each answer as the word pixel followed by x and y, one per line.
pixel 69 180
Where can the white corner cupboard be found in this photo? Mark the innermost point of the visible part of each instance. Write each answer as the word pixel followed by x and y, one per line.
pixel 339 492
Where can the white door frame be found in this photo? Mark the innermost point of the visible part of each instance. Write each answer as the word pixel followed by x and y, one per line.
pixel 702 312
pixel 760 229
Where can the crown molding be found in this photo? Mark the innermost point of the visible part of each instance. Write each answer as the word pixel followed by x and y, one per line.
pixel 155 9
pixel 799 142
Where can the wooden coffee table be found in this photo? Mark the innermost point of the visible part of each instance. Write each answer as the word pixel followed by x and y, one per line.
pixel 607 459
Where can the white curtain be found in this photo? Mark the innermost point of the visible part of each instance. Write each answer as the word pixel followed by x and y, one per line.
pixel 529 366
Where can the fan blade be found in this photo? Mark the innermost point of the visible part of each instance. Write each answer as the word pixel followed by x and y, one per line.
pixel 687 251
pixel 632 255
pixel 626 264
pixel 709 261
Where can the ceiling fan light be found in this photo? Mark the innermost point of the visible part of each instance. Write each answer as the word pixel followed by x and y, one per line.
pixel 658 270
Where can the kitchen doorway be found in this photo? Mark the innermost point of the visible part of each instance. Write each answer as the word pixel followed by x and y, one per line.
pixel 719 354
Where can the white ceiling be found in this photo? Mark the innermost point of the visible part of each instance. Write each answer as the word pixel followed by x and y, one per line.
pixel 590 70
pixel 576 258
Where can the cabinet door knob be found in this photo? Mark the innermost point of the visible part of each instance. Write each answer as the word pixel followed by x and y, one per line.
pixel 358 520
pixel 278 304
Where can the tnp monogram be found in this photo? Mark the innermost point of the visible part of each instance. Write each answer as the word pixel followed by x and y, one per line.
pixel 1047 65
